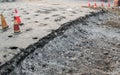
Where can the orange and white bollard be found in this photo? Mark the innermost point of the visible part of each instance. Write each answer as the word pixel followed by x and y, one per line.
pixel 3 23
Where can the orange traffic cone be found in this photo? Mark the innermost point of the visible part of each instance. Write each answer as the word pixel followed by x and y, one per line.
pixel 18 17
pixel 16 26
pixel 3 23
pixel 95 5
pixel 108 5
pixel 102 3
pixel 89 4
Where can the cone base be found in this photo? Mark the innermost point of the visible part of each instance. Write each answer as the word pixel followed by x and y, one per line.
pixel 5 28
pixel 21 24
pixel 18 31
pixel 95 7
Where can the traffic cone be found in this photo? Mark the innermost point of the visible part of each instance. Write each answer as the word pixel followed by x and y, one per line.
pixel 3 23
pixel 95 5
pixel 16 26
pixel 102 3
pixel 18 17
pixel 108 5
pixel 89 4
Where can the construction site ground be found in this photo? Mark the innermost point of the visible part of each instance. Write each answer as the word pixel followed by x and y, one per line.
pixel 60 38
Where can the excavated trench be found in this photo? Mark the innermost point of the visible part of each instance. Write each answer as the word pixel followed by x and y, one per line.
pixel 89 45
